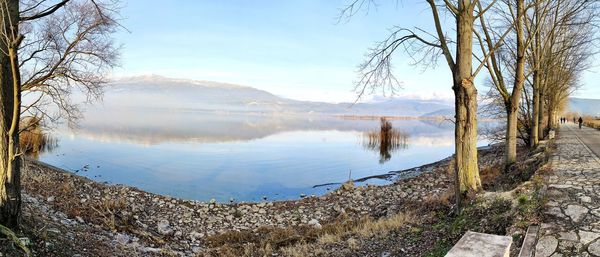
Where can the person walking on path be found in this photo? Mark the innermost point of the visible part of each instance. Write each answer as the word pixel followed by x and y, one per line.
pixel 580 122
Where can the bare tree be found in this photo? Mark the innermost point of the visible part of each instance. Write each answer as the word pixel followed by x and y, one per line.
pixel 512 56
pixel 48 50
pixel 552 24
pixel 425 48
pixel 528 56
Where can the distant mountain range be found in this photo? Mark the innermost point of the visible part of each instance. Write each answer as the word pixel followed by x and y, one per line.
pixel 160 92
pixel 584 106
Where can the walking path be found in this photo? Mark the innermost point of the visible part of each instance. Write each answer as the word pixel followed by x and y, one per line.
pixel 572 216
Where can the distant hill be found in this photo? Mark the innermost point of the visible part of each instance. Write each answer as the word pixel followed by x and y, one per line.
pixel 584 106
pixel 159 92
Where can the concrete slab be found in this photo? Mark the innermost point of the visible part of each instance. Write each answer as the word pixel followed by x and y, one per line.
pixel 474 244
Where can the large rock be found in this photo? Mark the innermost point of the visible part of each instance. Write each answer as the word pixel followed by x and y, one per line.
pixel 576 212
pixel 546 246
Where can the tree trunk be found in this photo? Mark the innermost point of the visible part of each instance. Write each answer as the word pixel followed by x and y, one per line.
pixel 551 117
pixel 534 133
pixel 10 96
pixel 541 126
pixel 465 94
pixel 535 120
pixel 465 135
pixel 511 136
pixel 512 106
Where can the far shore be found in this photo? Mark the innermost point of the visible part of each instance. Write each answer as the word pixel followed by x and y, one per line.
pixel 430 118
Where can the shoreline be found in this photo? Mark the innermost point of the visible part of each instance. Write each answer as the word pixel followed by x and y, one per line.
pixel 146 224
pixel 389 177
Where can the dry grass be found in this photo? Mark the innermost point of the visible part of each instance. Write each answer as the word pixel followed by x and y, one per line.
pixel 302 250
pixel 104 211
pixel 353 243
pixel 382 226
pixel 489 175
pixel 32 139
pixel 445 198
pixel 592 123
pixel 304 240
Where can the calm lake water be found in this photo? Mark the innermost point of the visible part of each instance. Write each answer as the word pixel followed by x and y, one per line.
pixel 204 155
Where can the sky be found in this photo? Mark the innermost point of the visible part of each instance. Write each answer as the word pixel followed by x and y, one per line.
pixel 297 49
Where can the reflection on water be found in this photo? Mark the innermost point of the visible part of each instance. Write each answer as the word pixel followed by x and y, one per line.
pixel 385 140
pixel 202 155
pixel 50 143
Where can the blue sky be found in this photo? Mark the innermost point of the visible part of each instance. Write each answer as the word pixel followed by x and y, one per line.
pixel 293 48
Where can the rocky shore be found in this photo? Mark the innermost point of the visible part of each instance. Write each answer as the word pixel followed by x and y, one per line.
pixel 117 220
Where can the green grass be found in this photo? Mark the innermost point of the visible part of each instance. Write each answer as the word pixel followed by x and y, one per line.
pixel 440 249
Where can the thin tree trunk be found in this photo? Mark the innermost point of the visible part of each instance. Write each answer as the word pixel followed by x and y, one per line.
pixel 534 133
pixel 512 106
pixel 535 120
pixel 541 127
pixel 551 118
pixel 511 136
pixel 10 95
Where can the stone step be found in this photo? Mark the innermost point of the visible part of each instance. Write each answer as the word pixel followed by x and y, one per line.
pixel 473 244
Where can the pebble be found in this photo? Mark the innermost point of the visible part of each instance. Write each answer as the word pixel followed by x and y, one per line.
pixel 315 223
pixel 164 228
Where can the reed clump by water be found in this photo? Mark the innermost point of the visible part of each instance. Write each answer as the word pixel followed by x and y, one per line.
pixel 386 140
pixel 32 139
pixel 591 122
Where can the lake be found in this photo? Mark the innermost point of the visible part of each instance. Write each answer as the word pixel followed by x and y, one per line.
pixel 204 155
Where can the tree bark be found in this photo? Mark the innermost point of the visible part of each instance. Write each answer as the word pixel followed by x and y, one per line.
pixel 535 120
pixel 465 94
pixel 10 96
pixel 512 106
pixel 534 133
pixel 541 131
pixel 511 136
pixel 551 117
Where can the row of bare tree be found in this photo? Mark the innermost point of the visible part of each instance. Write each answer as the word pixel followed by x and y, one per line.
pixel 534 52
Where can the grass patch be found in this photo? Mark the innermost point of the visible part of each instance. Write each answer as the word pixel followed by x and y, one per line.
pixel 493 218
pixel 303 240
pixel 440 249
